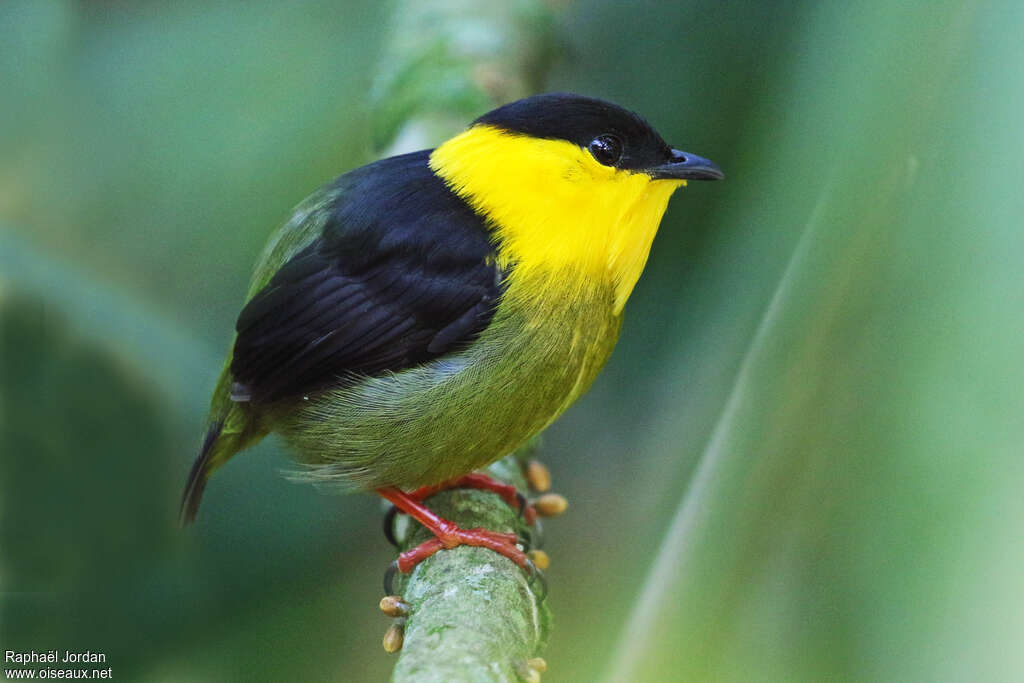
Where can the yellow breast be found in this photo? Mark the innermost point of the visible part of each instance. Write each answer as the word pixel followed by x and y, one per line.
pixel 555 210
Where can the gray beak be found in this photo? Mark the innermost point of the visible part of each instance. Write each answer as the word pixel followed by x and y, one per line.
pixel 686 166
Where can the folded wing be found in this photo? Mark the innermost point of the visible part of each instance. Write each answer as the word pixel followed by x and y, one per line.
pixel 402 273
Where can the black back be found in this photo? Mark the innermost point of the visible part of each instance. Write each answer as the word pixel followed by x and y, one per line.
pixel 403 272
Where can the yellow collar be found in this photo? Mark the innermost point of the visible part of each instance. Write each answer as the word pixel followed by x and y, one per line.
pixel 554 207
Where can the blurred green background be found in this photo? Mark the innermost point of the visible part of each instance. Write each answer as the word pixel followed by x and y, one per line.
pixel 802 463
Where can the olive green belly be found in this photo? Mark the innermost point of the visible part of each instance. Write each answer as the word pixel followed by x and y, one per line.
pixel 465 410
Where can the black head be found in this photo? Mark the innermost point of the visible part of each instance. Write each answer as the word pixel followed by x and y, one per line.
pixel 614 136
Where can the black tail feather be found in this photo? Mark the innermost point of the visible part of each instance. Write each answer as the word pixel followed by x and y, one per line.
pixel 197 477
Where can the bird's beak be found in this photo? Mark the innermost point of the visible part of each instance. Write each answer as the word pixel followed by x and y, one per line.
pixel 686 166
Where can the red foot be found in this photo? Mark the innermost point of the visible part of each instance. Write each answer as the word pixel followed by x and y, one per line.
pixel 448 534
pixel 482 482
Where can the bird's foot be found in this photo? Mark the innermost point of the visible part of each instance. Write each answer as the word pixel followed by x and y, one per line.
pixel 454 536
pixel 482 482
pixel 448 535
pixel 476 480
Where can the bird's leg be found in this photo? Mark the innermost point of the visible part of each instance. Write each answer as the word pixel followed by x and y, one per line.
pixel 475 480
pixel 483 482
pixel 448 534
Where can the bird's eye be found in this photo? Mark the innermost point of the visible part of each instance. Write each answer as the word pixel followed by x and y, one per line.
pixel 607 149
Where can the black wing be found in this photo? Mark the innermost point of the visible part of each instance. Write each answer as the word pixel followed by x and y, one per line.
pixel 403 272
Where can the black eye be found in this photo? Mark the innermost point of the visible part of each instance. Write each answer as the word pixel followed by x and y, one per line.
pixel 607 149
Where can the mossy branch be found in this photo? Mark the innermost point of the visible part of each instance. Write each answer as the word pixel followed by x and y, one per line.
pixel 472 613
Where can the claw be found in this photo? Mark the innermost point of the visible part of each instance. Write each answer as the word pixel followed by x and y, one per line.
pixel 531 572
pixel 523 504
pixel 534 575
pixel 532 536
pixel 389 525
pixel 389 578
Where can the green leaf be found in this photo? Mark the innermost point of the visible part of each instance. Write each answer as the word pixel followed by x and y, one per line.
pixel 838 524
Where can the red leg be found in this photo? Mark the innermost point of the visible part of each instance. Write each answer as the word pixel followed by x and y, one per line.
pixel 483 482
pixel 448 534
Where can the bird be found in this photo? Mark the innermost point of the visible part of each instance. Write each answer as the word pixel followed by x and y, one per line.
pixel 422 316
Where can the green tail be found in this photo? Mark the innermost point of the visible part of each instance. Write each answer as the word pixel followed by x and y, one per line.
pixel 231 430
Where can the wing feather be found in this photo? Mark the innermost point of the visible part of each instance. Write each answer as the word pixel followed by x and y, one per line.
pixel 396 277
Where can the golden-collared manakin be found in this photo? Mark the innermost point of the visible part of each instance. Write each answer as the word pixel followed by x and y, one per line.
pixel 424 315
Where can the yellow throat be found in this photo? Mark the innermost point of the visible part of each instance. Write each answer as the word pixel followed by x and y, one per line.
pixel 555 208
